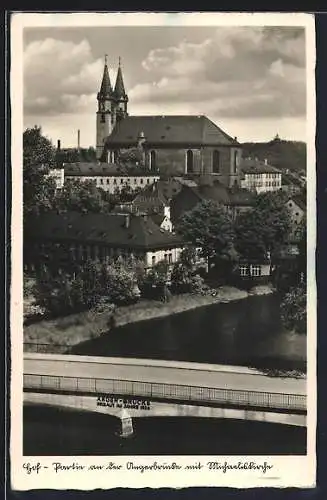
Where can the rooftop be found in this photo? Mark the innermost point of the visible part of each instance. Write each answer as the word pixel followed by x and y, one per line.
pixel 255 166
pixel 116 230
pixel 170 129
pixel 106 170
pixel 300 201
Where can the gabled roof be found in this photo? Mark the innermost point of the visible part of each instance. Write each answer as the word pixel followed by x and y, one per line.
pixel 255 166
pixel 158 218
pixel 110 229
pixel 106 170
pixel 299 200
pixel 169 130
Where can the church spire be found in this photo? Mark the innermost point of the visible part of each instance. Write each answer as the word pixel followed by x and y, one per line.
pixel 119 87
pixel 106 88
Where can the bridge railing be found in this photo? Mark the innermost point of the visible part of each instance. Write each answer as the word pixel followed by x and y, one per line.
pixel 166 391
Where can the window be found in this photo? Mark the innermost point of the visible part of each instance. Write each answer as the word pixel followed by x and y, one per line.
pixel 189 161
pixel 115 181
pixel 170 258
pixel 107 181
pixel 153 260
pixel 165 257
pixel 256 271
pixel 135 181
pixel 216 162
pixel 152 160
pixel 121 181
pixel 235 159
pixel 243 270
pixel 148 181
pixel 103 118
pixel 141 181
pixel 101 181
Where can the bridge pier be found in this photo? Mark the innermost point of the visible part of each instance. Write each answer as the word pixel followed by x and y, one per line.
pixel 127 429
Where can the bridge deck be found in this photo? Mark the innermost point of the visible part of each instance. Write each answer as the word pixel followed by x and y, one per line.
pixel 156 372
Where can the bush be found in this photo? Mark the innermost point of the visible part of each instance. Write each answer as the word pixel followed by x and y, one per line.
pixel 294 309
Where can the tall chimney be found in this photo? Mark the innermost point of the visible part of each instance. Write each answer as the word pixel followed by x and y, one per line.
pixel 58 144
pixel 78 139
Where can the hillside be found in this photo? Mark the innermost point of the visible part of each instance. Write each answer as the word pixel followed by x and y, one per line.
pixel 280 154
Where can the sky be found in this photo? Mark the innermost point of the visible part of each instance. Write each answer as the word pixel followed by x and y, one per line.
pixel 251 81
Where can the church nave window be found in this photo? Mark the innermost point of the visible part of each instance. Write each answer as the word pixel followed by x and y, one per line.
pixel 189 161
pixel 216 162
pixel 152 160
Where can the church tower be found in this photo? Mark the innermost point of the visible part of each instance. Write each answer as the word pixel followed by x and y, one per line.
pixel 120 96
pixel 105 113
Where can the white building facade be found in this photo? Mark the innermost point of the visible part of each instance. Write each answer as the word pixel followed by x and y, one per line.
pixel 260 177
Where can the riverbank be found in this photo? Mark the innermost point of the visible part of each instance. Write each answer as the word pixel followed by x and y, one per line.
pixel 61 334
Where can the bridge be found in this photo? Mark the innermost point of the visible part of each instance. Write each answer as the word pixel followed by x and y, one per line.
pixel 155 387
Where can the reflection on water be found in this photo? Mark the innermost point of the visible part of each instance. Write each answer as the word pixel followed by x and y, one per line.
pixel 51 431
pixel 247 332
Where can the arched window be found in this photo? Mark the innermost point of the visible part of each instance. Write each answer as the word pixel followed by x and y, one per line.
pixel 235 162
pixel 152 160
pixel 189 161
pixel 216 162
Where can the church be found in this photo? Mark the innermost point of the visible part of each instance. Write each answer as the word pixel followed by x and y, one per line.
pixel 179 145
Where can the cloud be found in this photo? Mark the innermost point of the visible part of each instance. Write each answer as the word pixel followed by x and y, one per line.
pixel 239 72
pixel 60 77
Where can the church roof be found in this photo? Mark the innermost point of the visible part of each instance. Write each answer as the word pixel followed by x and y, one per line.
pixel 106 88
pixel 180 130
pixel 119 86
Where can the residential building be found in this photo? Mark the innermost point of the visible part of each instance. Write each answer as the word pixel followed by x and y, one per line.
pixel 253 271
pixel 174 145
pixel 297 207
pixel 53 240
pixel 111 177
pixel 235 200
pixel 58 175
pixel 259 176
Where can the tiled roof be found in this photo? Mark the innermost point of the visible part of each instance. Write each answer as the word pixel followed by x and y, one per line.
pixel 240 197
pixel 253 166
pixel 174 130
pixel 157 218
pixel 300 201
pixel 111 229
pixel 105 170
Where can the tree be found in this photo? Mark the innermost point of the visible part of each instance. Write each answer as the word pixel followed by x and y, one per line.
pixel 38 158
pixel 83 197
pixel 264 229
pixel 209 227
pixel 130 156
pixel 294 309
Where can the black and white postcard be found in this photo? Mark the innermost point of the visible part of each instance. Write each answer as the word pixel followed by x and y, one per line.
pixel 163 293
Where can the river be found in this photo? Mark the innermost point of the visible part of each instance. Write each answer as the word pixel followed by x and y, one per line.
pixel 247 332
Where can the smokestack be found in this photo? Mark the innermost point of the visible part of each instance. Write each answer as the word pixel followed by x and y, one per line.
pixel 58 144
pixel 78 139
